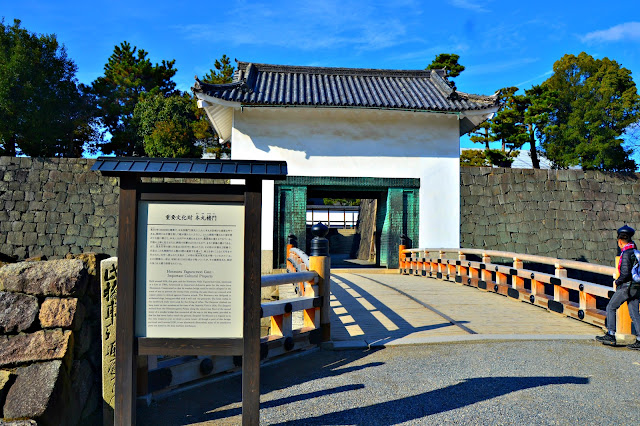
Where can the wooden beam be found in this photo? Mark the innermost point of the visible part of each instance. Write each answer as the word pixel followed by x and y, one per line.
pixel 126 353
pixel 251 327
pixel 189 346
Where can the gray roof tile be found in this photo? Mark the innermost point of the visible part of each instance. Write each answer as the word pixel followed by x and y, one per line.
pixel 264 85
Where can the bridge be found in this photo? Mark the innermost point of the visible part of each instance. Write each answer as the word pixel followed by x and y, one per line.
pixel 455 335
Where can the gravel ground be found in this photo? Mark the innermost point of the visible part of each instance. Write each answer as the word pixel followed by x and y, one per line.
pixel 493 383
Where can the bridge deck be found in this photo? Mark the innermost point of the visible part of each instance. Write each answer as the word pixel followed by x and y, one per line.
pixel 387 309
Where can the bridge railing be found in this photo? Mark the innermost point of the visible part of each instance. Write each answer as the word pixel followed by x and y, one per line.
pixel 310 276
pixel 579 299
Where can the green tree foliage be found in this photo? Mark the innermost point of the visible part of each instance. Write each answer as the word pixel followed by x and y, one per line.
pixel 486 158
pixel 483 134
pixel 168 126
pixel 127 75
pixel 473 158
pixel 223 72
pixel 523 119
pixel 500 158
pixel 504 124
pixel 341 202
pixel 538 104
pixel 448 61
pixel 596 101
pixel 44 112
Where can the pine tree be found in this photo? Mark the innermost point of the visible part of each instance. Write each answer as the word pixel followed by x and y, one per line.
pixel 127 75
pixel 596 101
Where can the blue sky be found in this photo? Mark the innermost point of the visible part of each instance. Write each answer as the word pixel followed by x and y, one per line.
pixel 502 43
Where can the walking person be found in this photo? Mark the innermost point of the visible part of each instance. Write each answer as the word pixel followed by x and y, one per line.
pixel 626 289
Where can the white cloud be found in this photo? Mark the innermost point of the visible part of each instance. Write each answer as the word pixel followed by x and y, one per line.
pixel 469 5
pixel 627 32
pixel 536 78
pixel 308 26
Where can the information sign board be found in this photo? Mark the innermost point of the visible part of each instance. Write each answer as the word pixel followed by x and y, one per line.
pixel 189 270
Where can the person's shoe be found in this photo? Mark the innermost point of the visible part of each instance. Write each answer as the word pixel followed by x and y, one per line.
pixel 607 339
pixel 635 345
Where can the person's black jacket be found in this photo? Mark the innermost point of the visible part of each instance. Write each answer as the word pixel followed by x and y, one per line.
pixel 628 260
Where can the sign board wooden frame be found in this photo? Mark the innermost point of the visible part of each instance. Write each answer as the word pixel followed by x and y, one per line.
pixel 132 191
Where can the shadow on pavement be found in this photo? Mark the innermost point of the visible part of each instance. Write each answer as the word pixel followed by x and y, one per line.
pixel 209 402
pixel 449 398
pixel 373 329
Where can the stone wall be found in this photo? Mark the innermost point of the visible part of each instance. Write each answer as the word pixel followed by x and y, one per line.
pixel 56 206
pixel 569 214
pixel 50 356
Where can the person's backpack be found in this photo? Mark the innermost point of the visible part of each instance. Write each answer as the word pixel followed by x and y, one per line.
pixel 635 271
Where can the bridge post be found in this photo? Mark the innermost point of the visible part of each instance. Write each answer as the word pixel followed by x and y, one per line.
pixel 320 262
pixel 484 273
pixel 517 282
pixel 560 294
pixel 623 320
pixel 460 269
pixel 292 242
pixel 404 244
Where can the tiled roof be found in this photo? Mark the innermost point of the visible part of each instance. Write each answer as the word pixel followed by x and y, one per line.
pixel 188 167
pixel 267 85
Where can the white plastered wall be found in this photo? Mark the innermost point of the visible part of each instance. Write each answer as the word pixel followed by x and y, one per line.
pixel 360 143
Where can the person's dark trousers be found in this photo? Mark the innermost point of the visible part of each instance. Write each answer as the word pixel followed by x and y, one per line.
pixel 619 297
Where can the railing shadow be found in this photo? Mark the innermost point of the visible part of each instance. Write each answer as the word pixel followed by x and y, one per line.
pixel 373 330
pixel 220 402
pixel 208 402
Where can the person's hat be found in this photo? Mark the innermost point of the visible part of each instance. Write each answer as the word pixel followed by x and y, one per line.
pixel 626 230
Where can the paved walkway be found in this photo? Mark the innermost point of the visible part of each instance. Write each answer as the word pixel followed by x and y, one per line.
pixel 390 309
pixel 483 383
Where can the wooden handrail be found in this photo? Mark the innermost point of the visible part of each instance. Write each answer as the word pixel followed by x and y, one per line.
pixel 564 263
pixel 289 278
pixel 301 255
pixel 310 277
pixel 522 284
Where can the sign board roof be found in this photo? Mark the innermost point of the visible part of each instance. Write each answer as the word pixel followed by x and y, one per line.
pixel 190 167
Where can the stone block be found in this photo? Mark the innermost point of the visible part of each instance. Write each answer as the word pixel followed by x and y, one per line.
pixel 14 238
pixel 90 414
pixel 43 345
pixel 67 218
pixel 38 216
pixel 6 380
pixel 67 313
pixel 81 383
pixel 41 392
pixel 73 230
pixel 17 312
pixel 30 239
pixel 61 277
pixel 84 339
